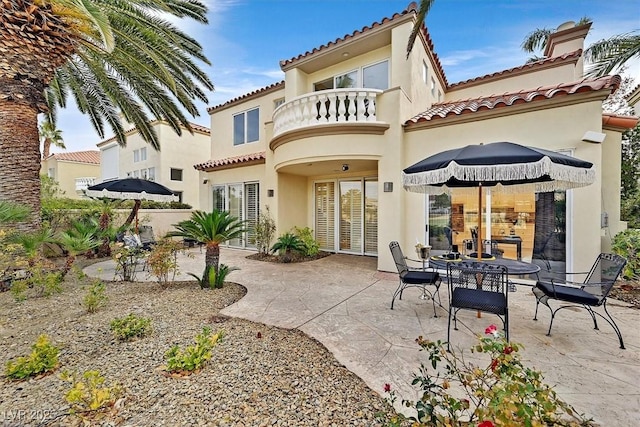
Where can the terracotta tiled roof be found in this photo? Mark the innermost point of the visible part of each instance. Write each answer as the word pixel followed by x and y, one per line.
pixel 618 121
pixel 92 157
pixel 260 91
pixel 200 128
pixel 412 8
pixel 458 108
pixel 231 161
pixel 531 66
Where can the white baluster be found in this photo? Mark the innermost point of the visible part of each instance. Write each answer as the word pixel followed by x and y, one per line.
pixel 353 98
pixel 371 108
pixel 342 109
pixel 361 107
pixel 323 108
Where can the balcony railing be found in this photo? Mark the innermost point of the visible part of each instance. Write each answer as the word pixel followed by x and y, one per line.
pixel 327 107
pixel 83 183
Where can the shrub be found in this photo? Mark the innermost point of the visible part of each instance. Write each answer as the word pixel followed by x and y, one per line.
pixel 287 243
pixel 306 235
pixel 95 297
pixel 221 276
pixel 87 393
pixel 162 260
pixel 41 278
pixel 43 358
pixel 195 356
pixel 129 327
pixel 627 244
pixel 504 393
pixel 265 229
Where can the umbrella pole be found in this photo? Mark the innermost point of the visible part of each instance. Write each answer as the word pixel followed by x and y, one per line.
pixel 479 242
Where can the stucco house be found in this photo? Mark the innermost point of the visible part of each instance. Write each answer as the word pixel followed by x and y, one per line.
pixel 325 148
pixel 171 167
pixel 74 171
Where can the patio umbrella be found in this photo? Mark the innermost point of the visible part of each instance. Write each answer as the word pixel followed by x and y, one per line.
pixel 503 166
pixel 132 189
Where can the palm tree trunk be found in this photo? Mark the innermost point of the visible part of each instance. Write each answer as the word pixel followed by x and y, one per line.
pixel 46 148
pixel 20 157
pixel 212 258
pixel 132 215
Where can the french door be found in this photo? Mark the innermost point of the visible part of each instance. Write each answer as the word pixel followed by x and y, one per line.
pixel 346 215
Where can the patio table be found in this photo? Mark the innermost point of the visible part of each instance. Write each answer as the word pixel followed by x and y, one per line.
pixel 514 267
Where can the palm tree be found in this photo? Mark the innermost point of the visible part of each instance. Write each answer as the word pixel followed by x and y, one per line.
pixel 49 135
pixel 610 54
pixel 605 55
pixel 423 10
pixel 112 56
pixel 212 229
pixel 287 243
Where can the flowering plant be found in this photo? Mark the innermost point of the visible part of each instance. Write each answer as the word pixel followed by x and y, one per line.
pixel 502 394
pixel 126 258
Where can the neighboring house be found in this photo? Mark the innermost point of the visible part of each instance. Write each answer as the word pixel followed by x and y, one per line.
pixel 73 171
pixel 325 148
pixel 172 166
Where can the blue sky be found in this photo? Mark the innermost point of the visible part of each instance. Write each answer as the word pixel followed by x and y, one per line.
pixel 246 39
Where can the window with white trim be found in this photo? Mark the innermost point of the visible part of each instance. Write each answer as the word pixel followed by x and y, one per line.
pixel 143 154
pixel 136 156
pixel 433 87
pixel 370 76
pixel 152 174
pixel 246 127
pixel 425 72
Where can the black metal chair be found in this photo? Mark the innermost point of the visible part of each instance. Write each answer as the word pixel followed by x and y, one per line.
pixel 477 286
pixel 589 294
pixel 411 277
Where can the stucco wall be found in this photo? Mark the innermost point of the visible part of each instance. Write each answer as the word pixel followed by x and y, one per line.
pixel 67 172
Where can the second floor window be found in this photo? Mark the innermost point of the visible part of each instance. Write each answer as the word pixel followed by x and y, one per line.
pixel 176 174
pixel 246 127
pixel 136 156
pixel 372 76
pixel 143 154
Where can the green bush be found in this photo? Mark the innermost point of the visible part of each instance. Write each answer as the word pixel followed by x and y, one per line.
pixel 265 228
pixel 95 297
pixel 163 261
pixel 288 243
pixel 195 356
pixel 129 327
pixel 43 358
pixel 38 280
pixel 306 235
pixel 627 244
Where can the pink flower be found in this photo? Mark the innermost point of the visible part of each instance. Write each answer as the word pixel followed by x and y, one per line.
pixel 486 423
pixel 387 387
pixel 491 330
pixel 508 350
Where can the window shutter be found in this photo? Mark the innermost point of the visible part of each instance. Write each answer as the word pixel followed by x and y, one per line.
pixel 325 215
pixel 252 202
pixel 371 216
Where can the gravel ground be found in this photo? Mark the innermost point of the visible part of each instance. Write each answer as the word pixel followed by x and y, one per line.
pixel 258 376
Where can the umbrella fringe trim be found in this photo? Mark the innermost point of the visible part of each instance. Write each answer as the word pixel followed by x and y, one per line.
pixel 131 196
pixel 564 177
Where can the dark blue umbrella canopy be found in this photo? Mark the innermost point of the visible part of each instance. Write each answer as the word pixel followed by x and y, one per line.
pixel 132 189
pixel 508 166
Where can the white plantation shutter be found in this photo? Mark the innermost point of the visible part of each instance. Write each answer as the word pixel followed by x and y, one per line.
pixel 371 216
pixel 219 197
pixel 325 215
pixel 351 216
pixel 252 203
pixel 235 207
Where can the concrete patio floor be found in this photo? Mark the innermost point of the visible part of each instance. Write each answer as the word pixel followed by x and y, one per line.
pixel 343 302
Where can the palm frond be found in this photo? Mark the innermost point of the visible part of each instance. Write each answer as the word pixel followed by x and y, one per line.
pixel 610 54
pixel 536 40
pixel 423 10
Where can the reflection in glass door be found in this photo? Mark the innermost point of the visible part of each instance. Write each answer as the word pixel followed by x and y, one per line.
pixel 351 216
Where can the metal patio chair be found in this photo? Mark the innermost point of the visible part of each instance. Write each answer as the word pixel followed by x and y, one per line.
pixel 411 277
pixel 477 286
pixel 589 294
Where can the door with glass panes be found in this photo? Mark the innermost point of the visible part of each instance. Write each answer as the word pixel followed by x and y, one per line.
pixel 346 215
pixel 242 201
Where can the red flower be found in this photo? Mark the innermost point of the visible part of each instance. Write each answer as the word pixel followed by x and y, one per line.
pixel 494 365
pixel 491 330
pixel 387 387
pixel 486 423
pixel 508 350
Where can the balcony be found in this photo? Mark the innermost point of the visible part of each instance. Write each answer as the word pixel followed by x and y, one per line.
pixel 327 111
pixel 83 183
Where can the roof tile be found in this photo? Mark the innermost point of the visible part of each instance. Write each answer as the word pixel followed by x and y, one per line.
pixel 457 108
pixel 256 92
pixel 212 164
pixel 92 157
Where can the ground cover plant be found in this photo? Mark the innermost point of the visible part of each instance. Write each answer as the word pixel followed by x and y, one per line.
pixel 194 357
pixel 42 359
pixel 130 327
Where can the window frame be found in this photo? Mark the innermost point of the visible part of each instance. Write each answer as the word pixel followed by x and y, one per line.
pixel 171 170
pixel 245 121
pixel 359 81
